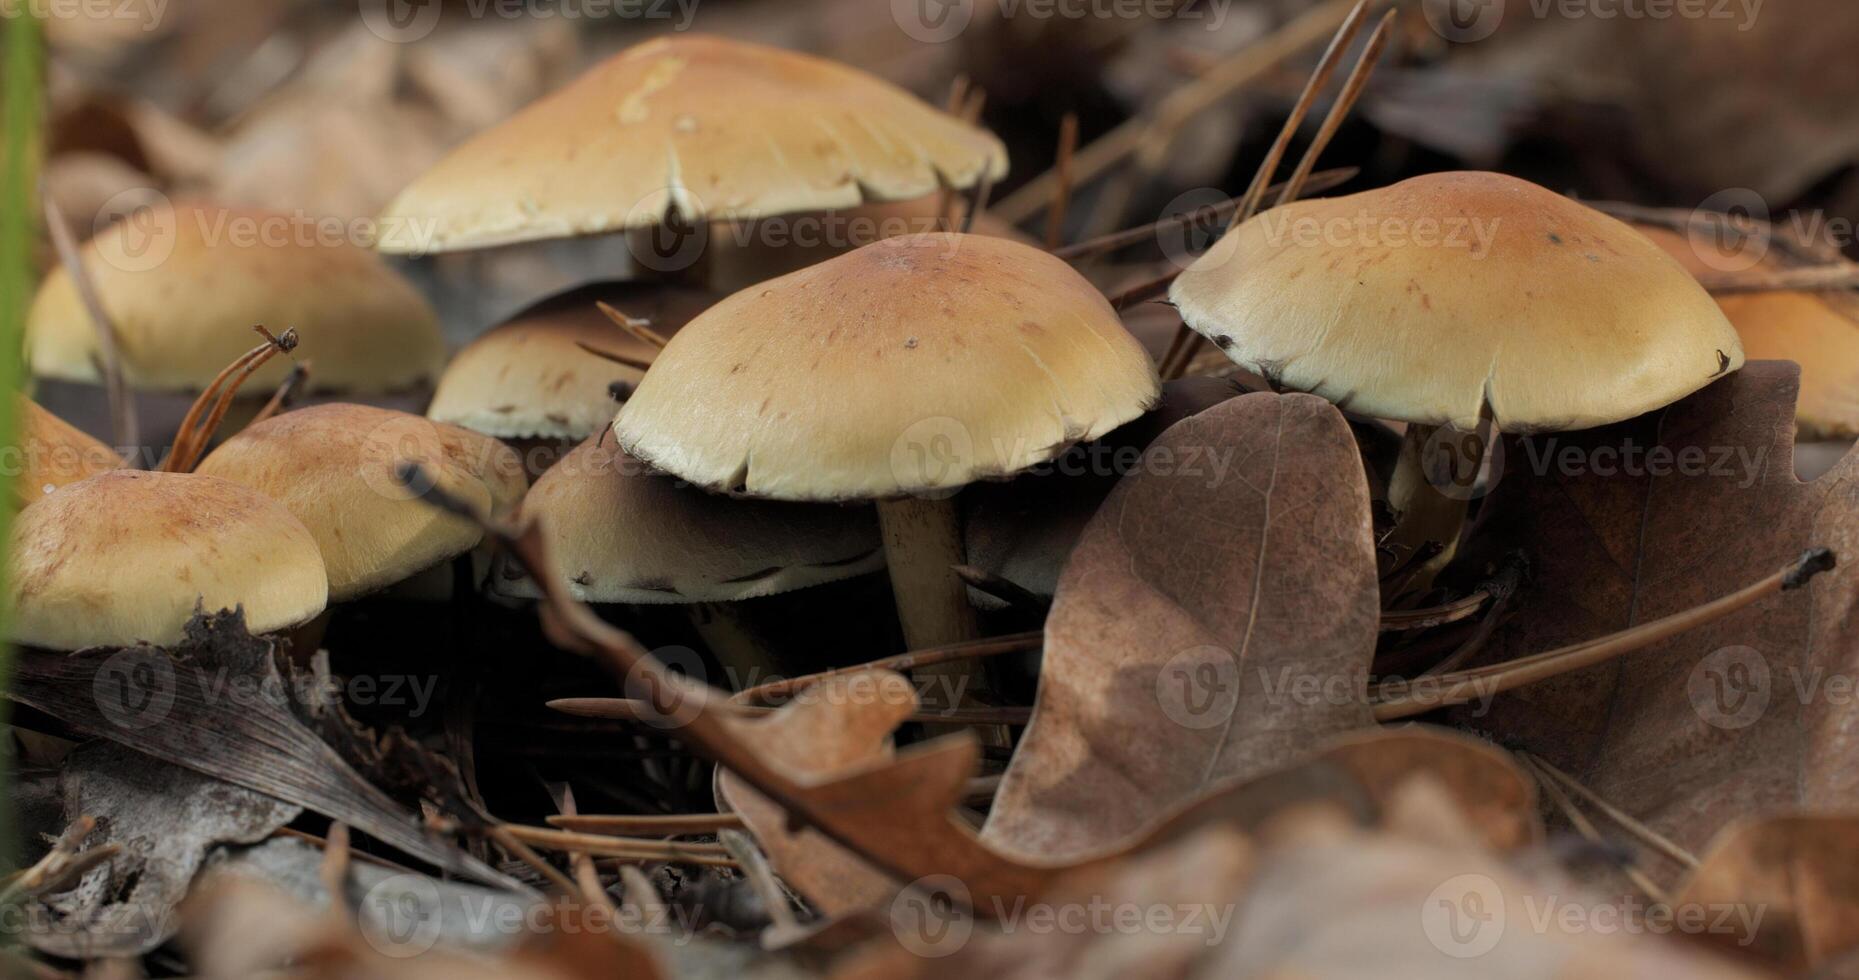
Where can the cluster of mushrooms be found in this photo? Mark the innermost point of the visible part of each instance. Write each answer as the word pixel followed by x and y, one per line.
pixel 681 446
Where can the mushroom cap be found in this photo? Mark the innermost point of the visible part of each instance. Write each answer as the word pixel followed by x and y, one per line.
pixel 1818 330
pixel 915 363
pixel 334 466
pixel 527 378
pixel 619 532
pixel 1451 295
pixel 186 282
pixel 54 453
pixel 715 128
pixel 124 557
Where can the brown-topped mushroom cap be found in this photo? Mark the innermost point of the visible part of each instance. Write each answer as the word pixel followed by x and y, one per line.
pixel 1451 295
pixel 712 128
pixel 919 362
pixel 124 557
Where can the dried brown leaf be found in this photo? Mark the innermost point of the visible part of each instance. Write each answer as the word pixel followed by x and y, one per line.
pixel 1212 624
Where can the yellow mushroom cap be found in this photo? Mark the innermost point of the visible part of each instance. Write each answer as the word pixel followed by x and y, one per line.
pixel 621 533
pixel 53 453
pixel 713 128
pixel 918 362
pixel 1451 295
pixel 529 378
pixel 185 283
pixel 335 467
pixel 124 557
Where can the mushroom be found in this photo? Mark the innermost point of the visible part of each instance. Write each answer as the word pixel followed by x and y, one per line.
pixel 1452 299
pixel 53 453
pixel 1818 330
pixel 334 467
pixel 530 382
pixel 620 533
pixel 898 373
pixel 126 557
pixel 185 282
pixel 698 128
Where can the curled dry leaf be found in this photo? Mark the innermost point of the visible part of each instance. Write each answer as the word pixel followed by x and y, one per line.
pixel 1794 876
pixel 814 735
pixel 1652 516
pixel 1212 623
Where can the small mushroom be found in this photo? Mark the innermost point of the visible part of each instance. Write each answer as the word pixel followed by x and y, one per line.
pixel 334 466
pixel 1451 299
pixel 125 557
pixel 185 282
pixel 530 382
pixel 620 533
pixel 706 128
pixel 898 373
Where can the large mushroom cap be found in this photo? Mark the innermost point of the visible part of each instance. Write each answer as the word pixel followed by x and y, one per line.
pixel 919 362
pixel 620 533
pixel 185 283
pixel 335 467
pixel 53 453
pixel 529 378
pixel 1431 299
pixel 124 557
pixel 713 128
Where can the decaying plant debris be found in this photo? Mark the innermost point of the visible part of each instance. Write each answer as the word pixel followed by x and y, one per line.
pixel 920 504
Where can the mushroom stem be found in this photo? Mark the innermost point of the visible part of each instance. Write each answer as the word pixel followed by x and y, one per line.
pixel 922 546
pixel 734 644
pixel 1429 492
